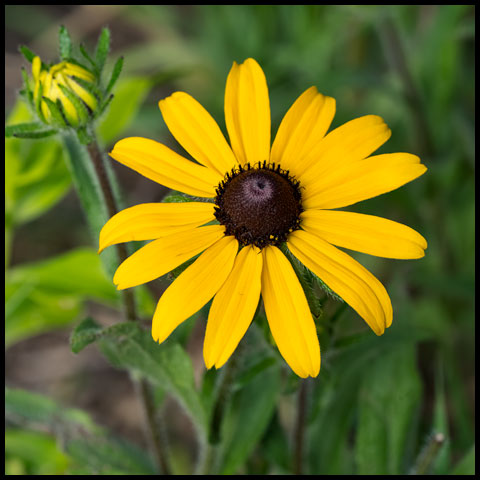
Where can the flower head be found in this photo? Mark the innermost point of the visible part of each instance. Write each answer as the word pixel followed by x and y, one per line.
pixel 63 84
pixel 264 197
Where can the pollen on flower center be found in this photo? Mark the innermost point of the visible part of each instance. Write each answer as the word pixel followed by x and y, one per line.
pixel 259 204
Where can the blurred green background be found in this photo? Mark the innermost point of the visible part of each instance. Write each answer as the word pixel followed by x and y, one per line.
pixel 377 401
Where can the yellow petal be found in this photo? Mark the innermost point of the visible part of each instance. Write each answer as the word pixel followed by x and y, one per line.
pixel 163 255
pixel 36 67
pixel 362 180
pixel 233 307
pixel 365 233
pixel 69 108
pixel 77 71
pixel 247 112
pixel 162 165
pixel 302 128
pixel 346 277
pixel 154 220
pixel 197 132
pixel 194 287
pixel 288 314
pixel 87 97
pixel 353 141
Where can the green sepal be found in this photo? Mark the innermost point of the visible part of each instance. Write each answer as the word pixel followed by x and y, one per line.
pixel 26 90
pixel 27 53
pixel 102 107
pixel 115 74
pixel 65 43
pixel 84 52
pixel 55 110
pixel 29 130
pixel 103 47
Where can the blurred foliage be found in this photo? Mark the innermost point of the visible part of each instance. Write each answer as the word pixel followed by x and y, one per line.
pixel 377 402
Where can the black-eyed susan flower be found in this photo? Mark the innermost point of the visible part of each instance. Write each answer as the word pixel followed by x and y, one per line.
pixel 263 196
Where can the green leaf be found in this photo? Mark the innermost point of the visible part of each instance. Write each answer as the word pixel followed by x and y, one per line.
pixel 35 173
pixel 84 334
pixel 39 411
pixel 55 110
pixel 29 130
pixel 466 466
pixel 129 95
pixel 37 453
pixel 388 411
pixel 65 43
pixel 248 415
pixel 90 448
pixel 166 365
pixel 103 47
pixel 49 294
pixel 108 456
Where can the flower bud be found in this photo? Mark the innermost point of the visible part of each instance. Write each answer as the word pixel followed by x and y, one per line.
pixel 67 86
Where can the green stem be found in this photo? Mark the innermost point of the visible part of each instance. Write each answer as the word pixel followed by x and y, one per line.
pixel 428 454
pixel 105 196
pixel 299 431
pixel 98 164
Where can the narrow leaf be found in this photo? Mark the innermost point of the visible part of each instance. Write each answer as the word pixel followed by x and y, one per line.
pixel 21 129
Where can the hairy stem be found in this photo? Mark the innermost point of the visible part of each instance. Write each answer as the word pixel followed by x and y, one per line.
pixel 299 431
pixel 143 388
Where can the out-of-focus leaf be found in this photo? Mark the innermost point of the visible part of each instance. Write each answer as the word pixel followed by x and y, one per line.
pixel 108 456
pixel 248 415
pixel 35 173
pixel 129 94
pixel 90 448
pixel 466 466
pixel 166 365
pixel 388 403
pixel 49 294
pixel 37 453
pixel 38 411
